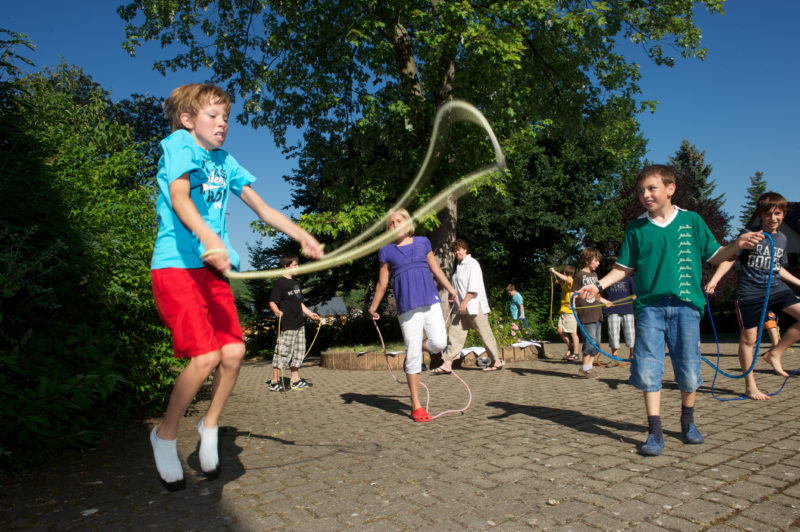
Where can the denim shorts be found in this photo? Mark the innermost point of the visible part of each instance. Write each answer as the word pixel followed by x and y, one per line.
pixel 675 323
pixel 592 331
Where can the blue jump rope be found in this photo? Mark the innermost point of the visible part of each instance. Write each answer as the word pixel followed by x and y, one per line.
pixel 716 367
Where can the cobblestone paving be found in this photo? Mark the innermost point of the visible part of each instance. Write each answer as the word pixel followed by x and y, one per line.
pixel 539 449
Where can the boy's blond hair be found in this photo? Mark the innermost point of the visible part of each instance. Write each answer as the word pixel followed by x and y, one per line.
pixel 190 98
pixel 661 170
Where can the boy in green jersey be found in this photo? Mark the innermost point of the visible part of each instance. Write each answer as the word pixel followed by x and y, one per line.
pixel 666 246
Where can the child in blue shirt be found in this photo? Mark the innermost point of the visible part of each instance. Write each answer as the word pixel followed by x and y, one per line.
pixel 192 252
pixel 516 307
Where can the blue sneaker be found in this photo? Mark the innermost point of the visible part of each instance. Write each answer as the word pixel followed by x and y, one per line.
pixel 692 435
pixel 653 446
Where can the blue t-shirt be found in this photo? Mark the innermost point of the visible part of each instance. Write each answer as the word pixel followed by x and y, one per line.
pixel 413 281
pixel 212 175
pixel 516 303
pixel 617 291
pixel 754 269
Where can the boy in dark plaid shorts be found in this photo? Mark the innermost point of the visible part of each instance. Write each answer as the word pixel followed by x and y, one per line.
pixel 286 301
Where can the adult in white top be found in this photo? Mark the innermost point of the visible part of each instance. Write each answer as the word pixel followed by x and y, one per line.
pixel 473 311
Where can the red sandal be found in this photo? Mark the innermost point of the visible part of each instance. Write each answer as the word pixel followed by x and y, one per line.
pixel 421 415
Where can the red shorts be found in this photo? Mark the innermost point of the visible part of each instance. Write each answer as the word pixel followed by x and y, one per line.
pixel 197 305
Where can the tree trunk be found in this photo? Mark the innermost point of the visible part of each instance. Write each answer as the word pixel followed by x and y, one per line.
pixel 443 236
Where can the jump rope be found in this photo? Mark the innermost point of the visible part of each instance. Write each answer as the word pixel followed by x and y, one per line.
pixel 446 116
pixel 427 391
pixel 717 369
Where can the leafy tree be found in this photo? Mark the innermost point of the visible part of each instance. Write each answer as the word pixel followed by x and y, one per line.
pixel 144 114
pixel 8 53
pixel 361 80
pixel 758 185
pixel 82 342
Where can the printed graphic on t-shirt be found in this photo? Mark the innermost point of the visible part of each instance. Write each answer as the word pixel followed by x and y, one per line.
pixel 214 189
pixel 685 251
pixel 758 257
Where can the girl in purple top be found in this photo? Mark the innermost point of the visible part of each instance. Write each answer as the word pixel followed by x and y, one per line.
pixel 410 260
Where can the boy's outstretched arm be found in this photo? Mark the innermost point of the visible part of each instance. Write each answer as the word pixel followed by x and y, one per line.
pixel 308 312
pixel 560 276
pixel 311 248
pixel 614 276
pixel 745 241
pixel 723 268
pixel 190 217
pixel 788 277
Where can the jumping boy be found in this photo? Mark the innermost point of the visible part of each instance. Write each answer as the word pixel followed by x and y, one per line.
pixel 192 251
pixel 286 301
pixel 665 246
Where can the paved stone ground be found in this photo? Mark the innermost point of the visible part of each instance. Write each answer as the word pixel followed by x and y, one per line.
pixel 538 449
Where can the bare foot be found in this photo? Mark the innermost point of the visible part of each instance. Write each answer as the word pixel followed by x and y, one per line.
pixel 775 362
pixel 756 395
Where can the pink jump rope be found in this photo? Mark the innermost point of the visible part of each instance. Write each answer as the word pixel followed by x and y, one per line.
pixel 427 391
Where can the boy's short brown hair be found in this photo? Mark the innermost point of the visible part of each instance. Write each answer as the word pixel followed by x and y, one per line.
pixel 459 243
pixel 765 203
pixel 588 254
pixel 769 200
pixel 569 271
pixel 287 259
pixel 510 288
pixel 190 98
pixel 661 170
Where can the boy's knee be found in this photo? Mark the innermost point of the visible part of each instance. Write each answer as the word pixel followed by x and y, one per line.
pixel 748 338
pixel 232 354
pixel 207 362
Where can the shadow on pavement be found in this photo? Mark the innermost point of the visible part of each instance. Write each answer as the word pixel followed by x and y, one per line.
pixel 572 419
pixel 389 404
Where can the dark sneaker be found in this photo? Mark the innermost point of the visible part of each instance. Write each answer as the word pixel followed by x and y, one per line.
pixel 587 374
pixel 275 387
pixel 302 383
pixel 692 435
pixel 653 446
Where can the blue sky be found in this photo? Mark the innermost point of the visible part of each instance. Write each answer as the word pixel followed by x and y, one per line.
pixel 740 105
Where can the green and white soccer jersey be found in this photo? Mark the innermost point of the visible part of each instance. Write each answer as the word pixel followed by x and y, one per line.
pixel 668 258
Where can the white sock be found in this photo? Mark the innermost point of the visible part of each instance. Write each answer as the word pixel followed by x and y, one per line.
pixel 166 455
pixel 586 368
pixel 209 458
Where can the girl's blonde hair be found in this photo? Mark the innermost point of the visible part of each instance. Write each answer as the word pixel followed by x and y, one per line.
pixel 190 98
pixel 404 213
